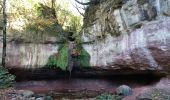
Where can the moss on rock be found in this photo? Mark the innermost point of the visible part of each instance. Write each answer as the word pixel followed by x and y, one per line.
pixel 60 60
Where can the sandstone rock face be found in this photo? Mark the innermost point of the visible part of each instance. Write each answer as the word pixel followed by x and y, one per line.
pixel 143 39
pixel 160 91
pixel 145 48
pixel 136 36
pixel 28 55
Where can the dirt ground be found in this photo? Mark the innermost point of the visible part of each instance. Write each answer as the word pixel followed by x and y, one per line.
pixel 7 94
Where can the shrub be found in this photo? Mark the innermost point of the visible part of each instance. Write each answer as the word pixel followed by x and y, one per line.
pixel 6 79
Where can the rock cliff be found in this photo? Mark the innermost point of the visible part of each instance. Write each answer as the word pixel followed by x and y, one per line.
pixel 28 55
pixel 128 34
pixel 134 34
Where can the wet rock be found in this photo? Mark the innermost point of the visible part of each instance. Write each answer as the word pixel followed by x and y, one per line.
pixel 32 98
pixel 48 98
pixel 124 90
pixel 155 94
pixel 44 98
pixel 26 93
pixel 13 99
pixel 40 98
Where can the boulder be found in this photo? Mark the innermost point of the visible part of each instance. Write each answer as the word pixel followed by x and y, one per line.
pixel 26 93
pixel 40 98
pixel 124 90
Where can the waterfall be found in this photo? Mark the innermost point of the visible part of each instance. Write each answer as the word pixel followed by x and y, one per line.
pixel 158 7
pixel 140 41
pixel 149 57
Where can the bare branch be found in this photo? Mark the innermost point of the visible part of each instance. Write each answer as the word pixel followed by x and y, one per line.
pixel 90 2
pixel 82 3
pixel 84 8
pixel 78 9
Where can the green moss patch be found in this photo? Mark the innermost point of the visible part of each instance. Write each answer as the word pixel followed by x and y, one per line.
pixel 60 60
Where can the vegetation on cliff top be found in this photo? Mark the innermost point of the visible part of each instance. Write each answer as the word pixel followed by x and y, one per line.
pixel 36 20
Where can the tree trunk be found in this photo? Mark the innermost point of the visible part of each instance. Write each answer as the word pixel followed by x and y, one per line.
pixel 52 4
pixel 4 33
pixel 53 8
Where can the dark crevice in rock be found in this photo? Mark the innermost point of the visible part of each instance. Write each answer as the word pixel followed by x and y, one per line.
pixel 48 73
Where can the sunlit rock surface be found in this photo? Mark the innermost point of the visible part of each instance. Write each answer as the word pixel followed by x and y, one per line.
pixel 144 48
pixel 142 35
pixel 28 55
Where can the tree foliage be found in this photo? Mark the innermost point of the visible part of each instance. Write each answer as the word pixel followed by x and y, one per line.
pixel 4 34
pixel 6 79
pixel 39 19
